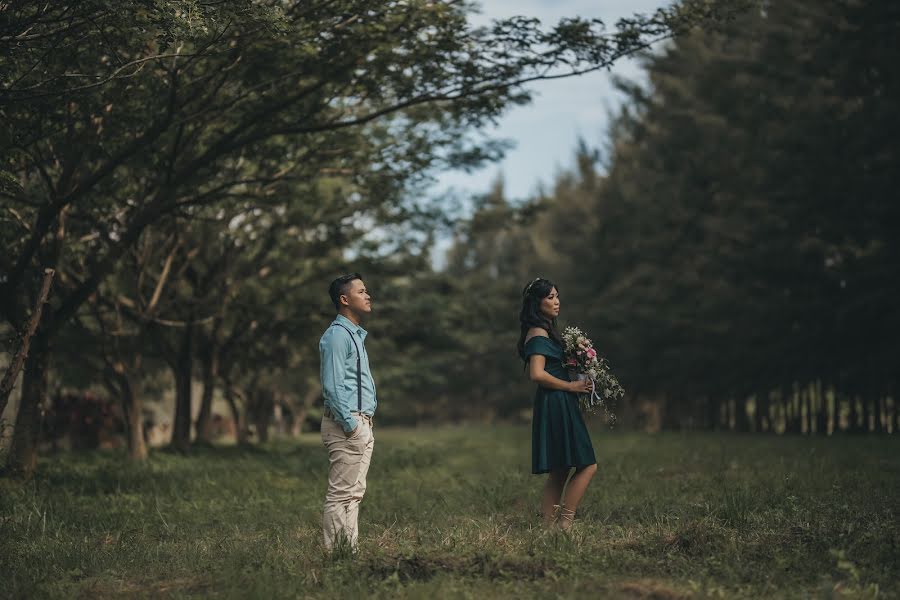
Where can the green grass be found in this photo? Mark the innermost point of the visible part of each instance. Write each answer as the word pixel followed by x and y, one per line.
pixel 453 512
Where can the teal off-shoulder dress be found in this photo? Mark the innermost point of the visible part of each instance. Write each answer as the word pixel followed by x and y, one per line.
pixel 559 437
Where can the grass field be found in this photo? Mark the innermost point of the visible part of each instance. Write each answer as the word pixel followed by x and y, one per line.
pixel 453 512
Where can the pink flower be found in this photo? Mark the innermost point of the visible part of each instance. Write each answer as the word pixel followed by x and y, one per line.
pixel 591 353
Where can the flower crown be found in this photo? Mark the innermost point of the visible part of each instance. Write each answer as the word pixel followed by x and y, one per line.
pixel 530 285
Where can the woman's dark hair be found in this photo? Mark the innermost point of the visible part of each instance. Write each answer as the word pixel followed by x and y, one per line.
pixel 531 315
pixel 339 288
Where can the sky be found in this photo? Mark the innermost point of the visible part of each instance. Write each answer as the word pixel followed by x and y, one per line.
pixel 545 132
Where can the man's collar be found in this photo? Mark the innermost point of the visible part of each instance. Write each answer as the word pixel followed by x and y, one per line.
pixel 350 324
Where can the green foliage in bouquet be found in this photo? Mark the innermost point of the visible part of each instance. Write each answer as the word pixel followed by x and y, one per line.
pixel 583 359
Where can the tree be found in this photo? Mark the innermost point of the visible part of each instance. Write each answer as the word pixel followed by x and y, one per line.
pixel 742 224
pixel 121 118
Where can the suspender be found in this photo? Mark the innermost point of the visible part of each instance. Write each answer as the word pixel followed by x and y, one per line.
pixel 358 369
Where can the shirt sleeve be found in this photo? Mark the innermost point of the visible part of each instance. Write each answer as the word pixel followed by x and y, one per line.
pixel 333 351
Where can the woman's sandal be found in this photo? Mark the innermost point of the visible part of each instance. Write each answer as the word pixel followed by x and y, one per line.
pixel 566 518
pixel 551 522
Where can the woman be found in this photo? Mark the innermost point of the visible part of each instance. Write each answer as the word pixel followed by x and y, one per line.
pixel 559 439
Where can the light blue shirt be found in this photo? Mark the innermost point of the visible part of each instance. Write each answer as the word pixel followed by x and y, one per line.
pixel 337 370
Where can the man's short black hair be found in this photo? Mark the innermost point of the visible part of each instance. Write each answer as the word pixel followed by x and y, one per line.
pixel 339 287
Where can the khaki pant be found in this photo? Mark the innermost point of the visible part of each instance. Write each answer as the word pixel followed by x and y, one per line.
pixel 349 459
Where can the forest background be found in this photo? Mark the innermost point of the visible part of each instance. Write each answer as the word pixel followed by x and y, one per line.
pixel 195 174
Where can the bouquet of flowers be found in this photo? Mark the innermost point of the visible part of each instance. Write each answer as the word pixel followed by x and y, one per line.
pixel 581 358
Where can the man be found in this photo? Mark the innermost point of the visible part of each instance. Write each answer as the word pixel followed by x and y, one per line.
pixel 349 392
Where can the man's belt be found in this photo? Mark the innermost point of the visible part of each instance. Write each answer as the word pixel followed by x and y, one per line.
pixel 330 415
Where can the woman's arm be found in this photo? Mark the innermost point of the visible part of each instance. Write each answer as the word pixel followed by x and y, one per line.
pixel 537 374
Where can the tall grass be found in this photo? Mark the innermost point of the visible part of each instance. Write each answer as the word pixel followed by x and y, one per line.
pixel 453 512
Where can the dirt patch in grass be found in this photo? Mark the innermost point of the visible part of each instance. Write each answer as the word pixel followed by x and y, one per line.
pixel 691 539
pixel 650 590
pixel 424 568
pixel 115 588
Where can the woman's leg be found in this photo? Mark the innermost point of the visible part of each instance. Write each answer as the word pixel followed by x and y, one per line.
pixel 553 489
pixel 575 492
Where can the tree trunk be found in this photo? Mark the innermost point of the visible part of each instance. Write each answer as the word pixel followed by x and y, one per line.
pixel 729 414
pixel 672 406
pixel 627 414
pixel 240 427
pixel 763 423
pixel 866 414
pixel 183 368
pixel 21 355
pixel 697 413
pixel 725 414
pixel 821 409
pixel 809 410
pixel 891 414
pixel 713 412
pixel 297 419
pixel 262 414
pixel 783 412
pixel 133 409
pixel 752 417
pixel 833 403
pixel 312 394
pixel 22 458
pixel 855 418
pixel 880 407
pixel 741 420
pixel 793 417
pixel 701 413
pixel 204 419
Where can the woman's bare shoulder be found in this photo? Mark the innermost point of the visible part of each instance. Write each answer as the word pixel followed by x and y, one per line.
pixel 536 332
